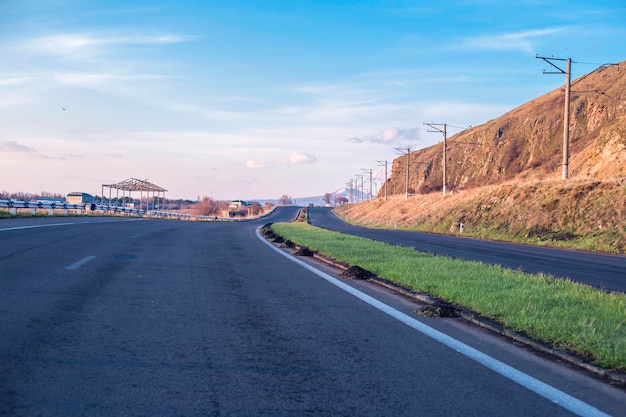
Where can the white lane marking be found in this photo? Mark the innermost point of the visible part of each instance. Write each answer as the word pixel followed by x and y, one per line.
pixel 80 262
pixel 7 229
pixel 34 226
pixel 549 392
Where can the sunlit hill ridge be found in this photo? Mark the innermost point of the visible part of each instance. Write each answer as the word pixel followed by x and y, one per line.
pixel 504 176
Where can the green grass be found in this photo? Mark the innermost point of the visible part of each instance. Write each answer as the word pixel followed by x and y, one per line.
pixel 568 315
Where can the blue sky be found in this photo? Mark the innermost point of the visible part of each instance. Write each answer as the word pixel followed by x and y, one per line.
pixel 256 99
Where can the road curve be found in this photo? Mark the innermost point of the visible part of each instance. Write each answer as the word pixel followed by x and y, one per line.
pixel 105 317
pixel 599 270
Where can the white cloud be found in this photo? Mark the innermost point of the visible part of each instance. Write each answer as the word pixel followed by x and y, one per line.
pixel 520 41
pixel 86 45
pixel 299 158
pixel 93 79
pixel 14 80
pixel 390 136
pixel 295 158
pixel 256 164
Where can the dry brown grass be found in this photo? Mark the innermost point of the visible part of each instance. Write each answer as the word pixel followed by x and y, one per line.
pixel 581 214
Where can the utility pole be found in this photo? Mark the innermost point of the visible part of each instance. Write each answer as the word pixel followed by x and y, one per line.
pixel 381 163
pixel 370 191
pixel 445 148
pixel 349 184
pixel 408 161
pixel 357 188
pixel 568 79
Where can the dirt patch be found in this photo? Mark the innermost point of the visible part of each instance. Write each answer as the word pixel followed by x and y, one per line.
pixel 304 251
pixel 438 310
pixel 288 244
pixel 356 272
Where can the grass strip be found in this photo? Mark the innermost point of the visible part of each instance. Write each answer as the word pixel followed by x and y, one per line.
pixel 568 315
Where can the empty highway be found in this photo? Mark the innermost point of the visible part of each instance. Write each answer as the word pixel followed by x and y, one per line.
pixel 120 316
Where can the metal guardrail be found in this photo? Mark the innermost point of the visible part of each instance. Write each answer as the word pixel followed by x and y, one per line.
pixel 39 204
pixel 105 209
pixel 14 205
pixel 170 215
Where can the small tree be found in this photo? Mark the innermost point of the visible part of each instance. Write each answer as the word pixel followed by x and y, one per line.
pixel 255 208
pixel 340 200
pixel 327 198
pixel 285 200
pixel 210 207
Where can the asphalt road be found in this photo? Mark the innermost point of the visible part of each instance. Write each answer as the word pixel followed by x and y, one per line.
pixel 108 317
pixel 599 270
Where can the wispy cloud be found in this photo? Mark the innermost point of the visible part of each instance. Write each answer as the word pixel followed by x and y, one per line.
pixel 520 41
pixel 93 79
pixel 390 136
pixel 8 81
pixel 88 45
pixel 13 146
pixel 69 156
pixel 295 158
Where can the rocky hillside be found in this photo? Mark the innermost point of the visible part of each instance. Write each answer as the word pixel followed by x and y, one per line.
pixel 504 177
pixel 526 143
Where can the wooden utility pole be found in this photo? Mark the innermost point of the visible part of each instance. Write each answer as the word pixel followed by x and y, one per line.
pixel 445 148
pixel 568 80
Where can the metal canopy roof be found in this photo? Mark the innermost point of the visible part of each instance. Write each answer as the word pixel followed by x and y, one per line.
pixel 133 184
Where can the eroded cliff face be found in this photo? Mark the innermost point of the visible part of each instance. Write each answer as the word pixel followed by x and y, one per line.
pixel 527 142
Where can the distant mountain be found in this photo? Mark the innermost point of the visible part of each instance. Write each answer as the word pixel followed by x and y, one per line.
pixel 342 192
pixel 319 199
pixel 526 143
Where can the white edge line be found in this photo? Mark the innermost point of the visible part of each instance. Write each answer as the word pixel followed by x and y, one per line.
pixel 34 226
pixel 549 392
pixel 80 262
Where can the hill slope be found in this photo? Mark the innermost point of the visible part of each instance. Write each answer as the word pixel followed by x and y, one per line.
pixel 526 143
pixel 583 214
pixel 503 177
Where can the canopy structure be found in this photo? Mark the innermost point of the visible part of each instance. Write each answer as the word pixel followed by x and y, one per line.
pixel 133 184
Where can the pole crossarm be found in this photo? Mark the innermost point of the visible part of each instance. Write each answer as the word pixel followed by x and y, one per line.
pixel 434 126
pixel 549 61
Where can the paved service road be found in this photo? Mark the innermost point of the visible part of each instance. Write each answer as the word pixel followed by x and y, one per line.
pixel 108 317
pixel 600 270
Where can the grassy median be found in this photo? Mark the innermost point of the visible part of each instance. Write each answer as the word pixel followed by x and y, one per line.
pixel 568 315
